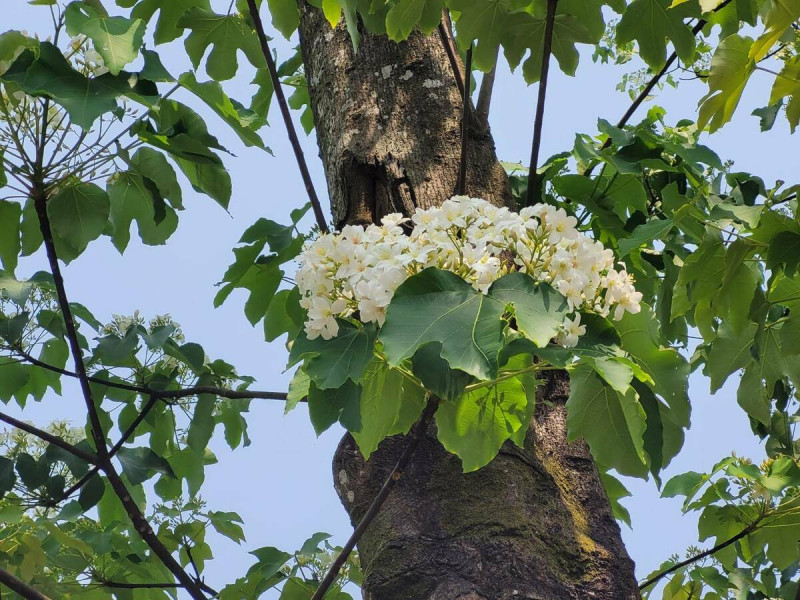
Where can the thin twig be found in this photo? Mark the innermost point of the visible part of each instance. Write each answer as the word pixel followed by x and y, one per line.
pixel 485 94
pixel 162 394
pixel 49 438
pixel 539 119
pixel 416 435
pixel 15 584
pixel 461 184
pixel 287 117
pixel 693 559
pixel 446 35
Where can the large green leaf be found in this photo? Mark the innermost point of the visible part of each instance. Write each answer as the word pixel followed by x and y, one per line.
pixel 439 306
pixel 285 16
pixel 47 73
pixel 78 214
pixel 644 234
pixel 140 464
pixel 390 404
pixel 787 84
pixel 407 14
pixel 651 23
pixel 134 197
pixel 169 15
pixel 539 310
pixel 237 117
pixel 227 35
pixel 611 423
pixel 731 67
pixel 330 363
pixel 326 406
pixel 783 14
pixel 476 424
pixel 116 39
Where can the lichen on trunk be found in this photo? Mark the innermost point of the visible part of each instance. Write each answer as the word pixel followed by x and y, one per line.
pixel 536 522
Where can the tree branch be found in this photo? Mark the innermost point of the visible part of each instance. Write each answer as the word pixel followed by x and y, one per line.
pixel 657 77
pixel 50 438
pixel 693 559
pixel 161 394
pixel 417 432
pixel 550 18
pixel 461 184
pixel 287 117
pixel 39 196
pixel 446 35
pixel 485 94
pixel 15 584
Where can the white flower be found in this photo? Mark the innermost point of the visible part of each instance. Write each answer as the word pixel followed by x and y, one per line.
pixel 571 331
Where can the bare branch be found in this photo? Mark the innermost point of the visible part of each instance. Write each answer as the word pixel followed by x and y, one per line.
pixel 461 184
pixel 50 438
pixel 415 436
pixel 485 94
pixel 446 35
pixel 15 584
pixel 287 118
pixel 539 119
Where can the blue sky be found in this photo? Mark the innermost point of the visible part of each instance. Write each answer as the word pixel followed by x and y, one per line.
pixel 281 484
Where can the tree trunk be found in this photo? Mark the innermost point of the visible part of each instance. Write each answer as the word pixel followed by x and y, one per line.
pixel 536 522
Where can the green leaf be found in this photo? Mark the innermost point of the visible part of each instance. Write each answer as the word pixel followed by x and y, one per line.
pixel 284 315
pixel 34 474
pixel 12 328
pixel 407 14
pixel 438 306
pixel 236 116
pixel 330 363
pixel 728 353
pixel 134 197
pixel 390 404
pixel 475 425
pixel 29 228
pixel 10 243
pixel 615 492
pixel 78 214
pixel 731 67
pixel 787 84
pixel 116 39
pixel 49 74
pixel 654 229
pixel 651 23
pixel 140 464
pixel 538 309
pixel 611 423
pixel 784 252
pixel 780 18
pixel 227 524
pixel 667 368
pixel 202 426
pixel 298 389
pixel 170 13
pixel 154 69
pixel 154 166
pixel 91 492
pixel 227 35
pixel 436 375
pixel 12 44
pixel 7 476
pixel 326 406
pixel 285 16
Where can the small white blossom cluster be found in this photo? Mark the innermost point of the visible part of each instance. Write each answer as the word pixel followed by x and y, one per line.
pixel 86 58
pixel 359 269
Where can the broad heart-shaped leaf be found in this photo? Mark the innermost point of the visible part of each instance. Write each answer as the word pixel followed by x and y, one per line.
pixel 327 406
pixel 612 424
pixel 568 31
pixel 227 34
pixel 78 214
pixel 731 67
pixel 644 234
pixel 285 16
pixel 154 166
pixel 140 464
pixel 12 43
pixel 439 306
pixel 476 424
pixel 47 73
pixel 116 39
pixel 169 13
pixel 237 117
pixel 539 310
pixel 651 23
pixel 667 368
pixel 390 404
pixel 780 18
pixel 330 363
pixel 10 241
pixel 729 352
pixel 436 375
pixel 134 197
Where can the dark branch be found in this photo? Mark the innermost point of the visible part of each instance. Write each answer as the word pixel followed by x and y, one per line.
pixel 50 438
pixel 15 584
pixel 137 518
pixel 415 436
pixel 657 77
pixel 287 118
pixel 461 184
pixel 693 559
pixel 446 35
pixel 161 394
pixel 550 18
pixel 485 95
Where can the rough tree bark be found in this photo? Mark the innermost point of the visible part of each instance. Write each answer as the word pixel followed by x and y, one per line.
pixel 535 523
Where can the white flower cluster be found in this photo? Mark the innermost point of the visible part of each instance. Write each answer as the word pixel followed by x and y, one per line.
pixel 360 269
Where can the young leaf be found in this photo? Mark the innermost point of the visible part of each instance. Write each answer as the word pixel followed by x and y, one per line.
pixel 651 23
